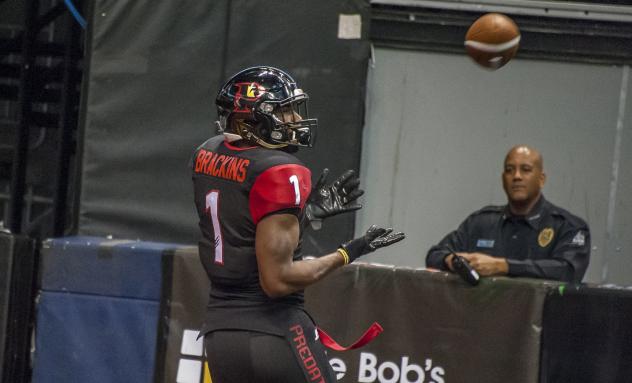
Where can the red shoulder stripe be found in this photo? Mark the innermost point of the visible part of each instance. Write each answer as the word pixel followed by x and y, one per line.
pixel 280 187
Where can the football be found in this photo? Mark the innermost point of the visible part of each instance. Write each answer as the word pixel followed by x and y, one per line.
pixel 492 40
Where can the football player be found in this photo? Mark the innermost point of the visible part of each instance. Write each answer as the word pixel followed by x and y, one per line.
pixel 254 199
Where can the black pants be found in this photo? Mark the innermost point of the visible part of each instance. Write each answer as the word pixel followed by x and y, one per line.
pixel 238 356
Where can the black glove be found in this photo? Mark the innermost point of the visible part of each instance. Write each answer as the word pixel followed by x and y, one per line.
pixel 332 199
pixel 374 238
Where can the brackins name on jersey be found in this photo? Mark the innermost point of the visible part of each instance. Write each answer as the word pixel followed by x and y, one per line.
pixel 221 165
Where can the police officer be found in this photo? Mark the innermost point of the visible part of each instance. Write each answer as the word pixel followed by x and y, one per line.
pixel 528 237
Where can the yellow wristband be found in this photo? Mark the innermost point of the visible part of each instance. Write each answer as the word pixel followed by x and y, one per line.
pixel 344 254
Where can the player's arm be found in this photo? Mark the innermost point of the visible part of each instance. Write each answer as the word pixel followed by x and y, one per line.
pixel 285 188
pixel 276 239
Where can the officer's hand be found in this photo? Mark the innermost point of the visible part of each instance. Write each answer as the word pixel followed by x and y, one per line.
pixel 449 259
pixel 339 197
pixel 374 238
pixel 486 265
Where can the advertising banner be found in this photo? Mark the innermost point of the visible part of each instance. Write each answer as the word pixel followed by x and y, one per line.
pixel 437 329
pixel 186 289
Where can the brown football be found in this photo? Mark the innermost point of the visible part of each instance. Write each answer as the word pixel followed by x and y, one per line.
pixel 492 40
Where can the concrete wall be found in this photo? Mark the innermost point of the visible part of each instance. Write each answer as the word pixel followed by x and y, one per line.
pixel 438 127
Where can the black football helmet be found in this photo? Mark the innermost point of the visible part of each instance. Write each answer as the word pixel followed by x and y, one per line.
pixel 264 105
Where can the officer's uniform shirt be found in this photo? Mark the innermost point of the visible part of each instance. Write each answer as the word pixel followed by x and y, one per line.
pixel 548 243
pixel 234 189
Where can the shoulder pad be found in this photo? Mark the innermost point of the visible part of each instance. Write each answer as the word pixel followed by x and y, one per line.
pixel 272 157
pixel 282 157
pixel 278 188
pixel 212 142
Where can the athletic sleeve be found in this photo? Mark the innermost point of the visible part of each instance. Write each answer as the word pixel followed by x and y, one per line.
pixel 280 187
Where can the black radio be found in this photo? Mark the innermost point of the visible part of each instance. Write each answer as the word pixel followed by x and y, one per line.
pixel 462 267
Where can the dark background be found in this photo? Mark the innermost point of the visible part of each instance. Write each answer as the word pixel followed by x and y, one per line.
pixel 97 124
pixel 150 102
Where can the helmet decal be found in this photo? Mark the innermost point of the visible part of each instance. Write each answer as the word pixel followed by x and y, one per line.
pixel 254 90
pixel 249 91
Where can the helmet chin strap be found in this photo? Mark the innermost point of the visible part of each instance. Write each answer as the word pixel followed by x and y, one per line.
pixel 252 137
pixel 244 131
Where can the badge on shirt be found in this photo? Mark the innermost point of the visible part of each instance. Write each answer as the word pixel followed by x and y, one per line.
pixel 545 237
pixel 486 243
pixel 579 239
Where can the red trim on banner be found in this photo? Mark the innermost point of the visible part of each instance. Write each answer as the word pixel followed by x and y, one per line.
pixel 370 334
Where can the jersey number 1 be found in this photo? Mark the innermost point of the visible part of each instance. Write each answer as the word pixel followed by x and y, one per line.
pixel 212 203
pixel 297 191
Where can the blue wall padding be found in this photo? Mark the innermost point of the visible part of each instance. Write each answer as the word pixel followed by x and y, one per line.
pixel 98 266
pixel 97 316
pixel 96 339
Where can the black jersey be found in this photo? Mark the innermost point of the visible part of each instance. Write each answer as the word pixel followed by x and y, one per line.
pixel 235 188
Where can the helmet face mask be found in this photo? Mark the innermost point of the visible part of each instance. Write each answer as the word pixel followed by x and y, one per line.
pixel 288 125
pixel 267 108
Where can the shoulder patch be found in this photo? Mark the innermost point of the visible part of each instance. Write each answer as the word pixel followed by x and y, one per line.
pixel 579 239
